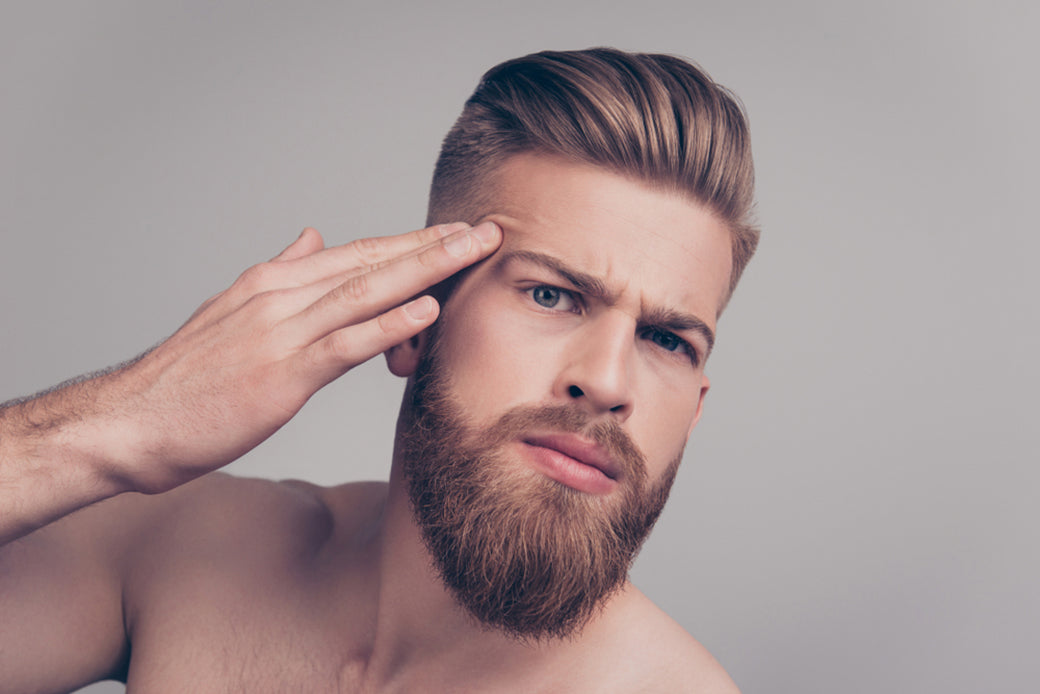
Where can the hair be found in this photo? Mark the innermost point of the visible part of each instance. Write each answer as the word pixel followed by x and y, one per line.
pixel 520 552
pixel 654 118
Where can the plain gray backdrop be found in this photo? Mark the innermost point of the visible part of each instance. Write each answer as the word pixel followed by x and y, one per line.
pixel 857 510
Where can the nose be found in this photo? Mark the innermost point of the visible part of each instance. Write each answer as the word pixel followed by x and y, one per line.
pixel 597 368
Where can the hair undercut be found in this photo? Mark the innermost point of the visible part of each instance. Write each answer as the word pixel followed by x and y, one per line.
pixel 655 118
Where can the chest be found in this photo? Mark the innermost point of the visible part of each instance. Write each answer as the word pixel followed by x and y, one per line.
pixel 223 627
pixel 231 647
pixel 207 631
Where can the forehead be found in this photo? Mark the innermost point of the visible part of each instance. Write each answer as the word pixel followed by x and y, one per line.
pixel 650 247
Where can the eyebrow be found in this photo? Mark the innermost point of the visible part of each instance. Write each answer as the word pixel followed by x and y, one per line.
pixel 589 285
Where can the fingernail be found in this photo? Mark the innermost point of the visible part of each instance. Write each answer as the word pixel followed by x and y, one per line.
pixel 459 244
pixel 486 232
pixel 420 308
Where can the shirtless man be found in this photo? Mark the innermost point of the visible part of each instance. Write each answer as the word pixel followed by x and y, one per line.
pixel 543 420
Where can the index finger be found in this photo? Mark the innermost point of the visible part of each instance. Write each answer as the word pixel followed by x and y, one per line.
pixel 371 251
pixel 364 296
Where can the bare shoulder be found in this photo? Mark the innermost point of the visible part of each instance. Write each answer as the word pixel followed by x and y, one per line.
pixel 664 657
pixel 352 505
pixel 216 505
pixel 239 516
pixel 225 543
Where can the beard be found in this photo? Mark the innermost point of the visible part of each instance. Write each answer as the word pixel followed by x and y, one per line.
pixel 519 551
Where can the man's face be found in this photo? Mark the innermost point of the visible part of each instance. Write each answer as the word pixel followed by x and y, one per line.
pixel 603 296
pixel 564 378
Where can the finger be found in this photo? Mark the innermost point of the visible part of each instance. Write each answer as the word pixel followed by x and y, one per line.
pixel 308 242
pixel 339 351
pixel 280 293
pixel 306 262
pixel 368 253
pixel 294 291
pixel 252 282
pixel 366 295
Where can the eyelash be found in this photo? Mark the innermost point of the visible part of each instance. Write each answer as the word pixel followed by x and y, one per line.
pixel 680 343
pixel 647 332
pixel 573 296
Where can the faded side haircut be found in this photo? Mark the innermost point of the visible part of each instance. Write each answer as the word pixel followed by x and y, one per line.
pixel 654 118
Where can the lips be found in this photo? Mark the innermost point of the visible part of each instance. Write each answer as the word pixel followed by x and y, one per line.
pixel 580 449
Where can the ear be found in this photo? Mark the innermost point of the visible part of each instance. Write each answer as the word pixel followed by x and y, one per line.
pixel 403 359
pixel 705 385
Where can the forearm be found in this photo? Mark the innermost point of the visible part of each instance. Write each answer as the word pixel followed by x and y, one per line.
pixel 239 369
pixel 57 454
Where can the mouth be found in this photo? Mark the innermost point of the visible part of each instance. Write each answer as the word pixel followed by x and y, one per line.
pixel 573 461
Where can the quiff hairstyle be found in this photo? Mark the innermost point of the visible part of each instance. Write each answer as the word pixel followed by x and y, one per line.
pixel 654 118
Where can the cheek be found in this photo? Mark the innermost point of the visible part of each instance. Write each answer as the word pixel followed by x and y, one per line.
pixel 491 361
pixel 664 425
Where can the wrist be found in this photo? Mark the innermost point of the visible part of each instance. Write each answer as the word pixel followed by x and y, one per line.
pixel 62 439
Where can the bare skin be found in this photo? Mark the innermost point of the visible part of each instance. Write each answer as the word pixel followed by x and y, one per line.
pixel 233 585
pixel 211 583
pixel 240 368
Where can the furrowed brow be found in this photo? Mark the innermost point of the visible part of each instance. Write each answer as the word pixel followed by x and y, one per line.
pixel 589 285
pixel 679 321
pixel 581 281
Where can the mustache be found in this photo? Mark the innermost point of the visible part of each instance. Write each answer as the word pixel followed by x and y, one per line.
pixel 431 400
pixel 570 419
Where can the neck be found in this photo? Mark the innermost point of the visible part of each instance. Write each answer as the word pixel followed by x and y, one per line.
pixel 418 627
pixel 417 631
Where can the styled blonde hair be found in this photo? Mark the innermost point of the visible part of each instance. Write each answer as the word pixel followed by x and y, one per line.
pixel 655 118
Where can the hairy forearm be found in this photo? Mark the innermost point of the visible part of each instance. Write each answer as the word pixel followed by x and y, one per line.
pixel 244 364
pixel 56 451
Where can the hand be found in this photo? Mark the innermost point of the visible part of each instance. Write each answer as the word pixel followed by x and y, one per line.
pixel 250 357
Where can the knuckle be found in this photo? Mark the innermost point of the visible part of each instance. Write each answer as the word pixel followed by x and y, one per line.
pixel 431 258
pixel 389 323
pixel 436 259
pixel 368 251
pixel 257 278
pixel 354 289
pixel 266 305
pixel 339 347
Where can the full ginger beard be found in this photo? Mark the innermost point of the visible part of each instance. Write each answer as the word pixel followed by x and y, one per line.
pixel 521 552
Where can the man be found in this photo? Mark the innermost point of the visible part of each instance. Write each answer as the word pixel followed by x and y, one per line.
pixel 544 417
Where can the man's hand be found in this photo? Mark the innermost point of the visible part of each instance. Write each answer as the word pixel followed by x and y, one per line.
pixel 250 357
pixel 239 369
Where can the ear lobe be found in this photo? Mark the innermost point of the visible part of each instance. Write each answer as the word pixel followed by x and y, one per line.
pixel 402 359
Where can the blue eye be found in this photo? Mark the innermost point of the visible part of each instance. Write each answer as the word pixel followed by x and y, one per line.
pixel 546 296
pixel 668 341
pixel 555 298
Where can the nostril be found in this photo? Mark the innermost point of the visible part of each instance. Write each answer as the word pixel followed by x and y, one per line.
pixel 575 392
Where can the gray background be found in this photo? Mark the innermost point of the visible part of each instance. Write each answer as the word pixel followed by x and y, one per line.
pixel 856 512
